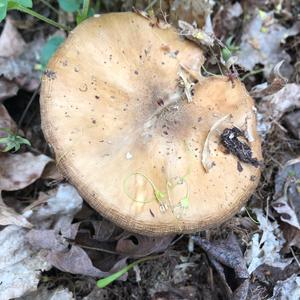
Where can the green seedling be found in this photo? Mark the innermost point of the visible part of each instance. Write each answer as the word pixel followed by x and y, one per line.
pixel 229 49
pixel 85 12
pixel 104 282
pixel 12 141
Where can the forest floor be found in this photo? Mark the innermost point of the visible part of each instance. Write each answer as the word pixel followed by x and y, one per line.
pixel 55 246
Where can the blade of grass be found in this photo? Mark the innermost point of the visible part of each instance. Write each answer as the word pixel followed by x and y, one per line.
pixel 36 15
pixel 102 283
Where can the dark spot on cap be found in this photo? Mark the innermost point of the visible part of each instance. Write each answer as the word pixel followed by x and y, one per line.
pixel 239 167
pixel 136 72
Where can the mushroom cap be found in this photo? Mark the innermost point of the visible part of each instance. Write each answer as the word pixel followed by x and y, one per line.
pixel 127 139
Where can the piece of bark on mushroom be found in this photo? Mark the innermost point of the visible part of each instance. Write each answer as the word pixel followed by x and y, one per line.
pixel 115 110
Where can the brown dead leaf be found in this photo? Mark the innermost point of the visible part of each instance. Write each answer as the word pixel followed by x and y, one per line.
pixel 20 265
pixel 17 61
pixel 6 121
pixel 287 200
pixel 271 108
pixel 11 42
pixel 48 239
pixel 7 89
pixel 135 245
pixel 276 82
pixel 268 35
pixel 9 217
pixel 74 261
pixel 227 253
pixel 17 171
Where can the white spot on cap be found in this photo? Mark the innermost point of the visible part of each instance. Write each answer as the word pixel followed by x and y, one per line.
pixel 129 155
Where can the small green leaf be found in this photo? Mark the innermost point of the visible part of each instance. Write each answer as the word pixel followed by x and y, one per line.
pixel 69 5
pixel 49 49
pixel 3 9
pixel 12 141
pixel 102 283
pixel 226 54
pixel 85 11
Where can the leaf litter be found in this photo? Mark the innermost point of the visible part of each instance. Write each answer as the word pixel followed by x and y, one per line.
pixel 261 42
pixel 83 236
pixel 265 249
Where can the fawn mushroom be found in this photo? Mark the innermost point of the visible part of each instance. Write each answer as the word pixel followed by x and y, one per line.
pixel 146 146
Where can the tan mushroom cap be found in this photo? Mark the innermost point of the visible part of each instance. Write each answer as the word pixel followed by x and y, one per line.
pixel 126 138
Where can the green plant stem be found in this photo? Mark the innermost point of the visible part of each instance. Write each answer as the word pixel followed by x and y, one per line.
pixel 102 283
pixel 37 15
pixel 85 8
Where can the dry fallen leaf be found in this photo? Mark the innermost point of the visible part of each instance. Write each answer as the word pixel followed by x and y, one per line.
pixel 227 253
pixel 135 245
pixel 75 261
pixel 17 171
pixel 9 217
pixel 59 209
pixel 272 107
pixel 11 42
pixel 5 120
pixel 8 89
pixel 20 266
pixel 287 200
pixel 287 289
pixel 266 249
pixel 261 41
pixel 276 82
pixel 17 61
